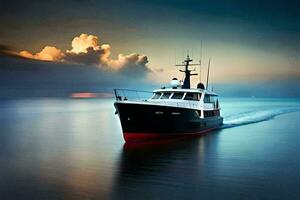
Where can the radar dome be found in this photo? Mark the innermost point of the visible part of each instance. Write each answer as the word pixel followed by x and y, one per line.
pixel 175 83
pixel 200 86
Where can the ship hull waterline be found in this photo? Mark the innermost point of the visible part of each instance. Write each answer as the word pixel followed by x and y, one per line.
pixel 148 122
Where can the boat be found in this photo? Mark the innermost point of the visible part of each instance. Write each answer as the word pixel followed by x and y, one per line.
pixel 170 112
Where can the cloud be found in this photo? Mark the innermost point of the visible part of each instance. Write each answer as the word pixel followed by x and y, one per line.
pixel 90 56
pixel 28 77
pixel 4 48
pixel 82 43
pixel 87 49
pixel 133 63
pixel 7 50
pixel 123 61
pixel 48 53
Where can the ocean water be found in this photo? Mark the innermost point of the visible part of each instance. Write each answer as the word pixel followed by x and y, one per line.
pixel 73 149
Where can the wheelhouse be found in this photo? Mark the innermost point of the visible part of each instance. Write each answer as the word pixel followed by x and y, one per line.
pixel 205 101
pixel 176 95
pixel 194 95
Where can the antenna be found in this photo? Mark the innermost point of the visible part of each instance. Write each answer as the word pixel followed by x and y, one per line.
pixel 187 71
pixel 200 61
pixel 175 56
pixel 207 74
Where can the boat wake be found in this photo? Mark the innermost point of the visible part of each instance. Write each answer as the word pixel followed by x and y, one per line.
pixel 255 116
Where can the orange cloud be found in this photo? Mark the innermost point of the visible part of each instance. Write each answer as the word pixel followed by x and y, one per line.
pixel 123 60
pixel 81 43
pixel 86 49
pixel 48 53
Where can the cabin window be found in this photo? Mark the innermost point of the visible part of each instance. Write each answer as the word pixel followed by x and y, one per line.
pixel 216 112
pixel 212 99
pixel 199 96
pixel 211 113
pixel 217 103
pixel 166 95
pixel 177 95
pixel 205 113
pixel 209 99
pixel 157 95
pixel 208 113
pixel 191 96
pixel 206 99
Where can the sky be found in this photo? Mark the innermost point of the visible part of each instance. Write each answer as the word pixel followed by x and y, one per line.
pixel 251 44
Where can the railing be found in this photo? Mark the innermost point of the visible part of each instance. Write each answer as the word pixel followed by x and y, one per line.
pixel 140 95
pixel 127 94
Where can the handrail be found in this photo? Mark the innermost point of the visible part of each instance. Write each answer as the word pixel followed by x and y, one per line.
pixel 119 93
pixel 133 90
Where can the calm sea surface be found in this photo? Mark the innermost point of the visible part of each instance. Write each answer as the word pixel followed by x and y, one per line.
pixel 73 149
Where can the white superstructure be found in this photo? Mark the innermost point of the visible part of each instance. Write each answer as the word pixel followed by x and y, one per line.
pixel 196 99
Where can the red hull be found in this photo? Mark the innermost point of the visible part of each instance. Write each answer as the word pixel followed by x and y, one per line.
pixel 135 137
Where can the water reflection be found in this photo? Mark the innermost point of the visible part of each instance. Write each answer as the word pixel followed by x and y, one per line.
pixel 58 149
pixel 173 169
pixel 69 149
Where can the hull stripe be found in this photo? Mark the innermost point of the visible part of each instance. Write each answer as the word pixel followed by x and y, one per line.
pixel 133 137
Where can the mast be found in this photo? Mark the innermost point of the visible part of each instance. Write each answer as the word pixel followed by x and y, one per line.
pixel 186 64
pixel 200 63
pixel 207 74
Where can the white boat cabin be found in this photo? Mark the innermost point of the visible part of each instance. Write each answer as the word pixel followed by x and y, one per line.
pixel 204 101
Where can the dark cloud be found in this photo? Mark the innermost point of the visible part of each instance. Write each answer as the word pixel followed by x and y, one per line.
pixel 134 65
pixel 25 77
pixel 5 50
pixel 90 57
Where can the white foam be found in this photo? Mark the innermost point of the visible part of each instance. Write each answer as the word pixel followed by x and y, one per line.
pixel 255 116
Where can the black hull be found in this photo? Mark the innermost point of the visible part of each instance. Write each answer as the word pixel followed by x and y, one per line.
pixel 148 122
